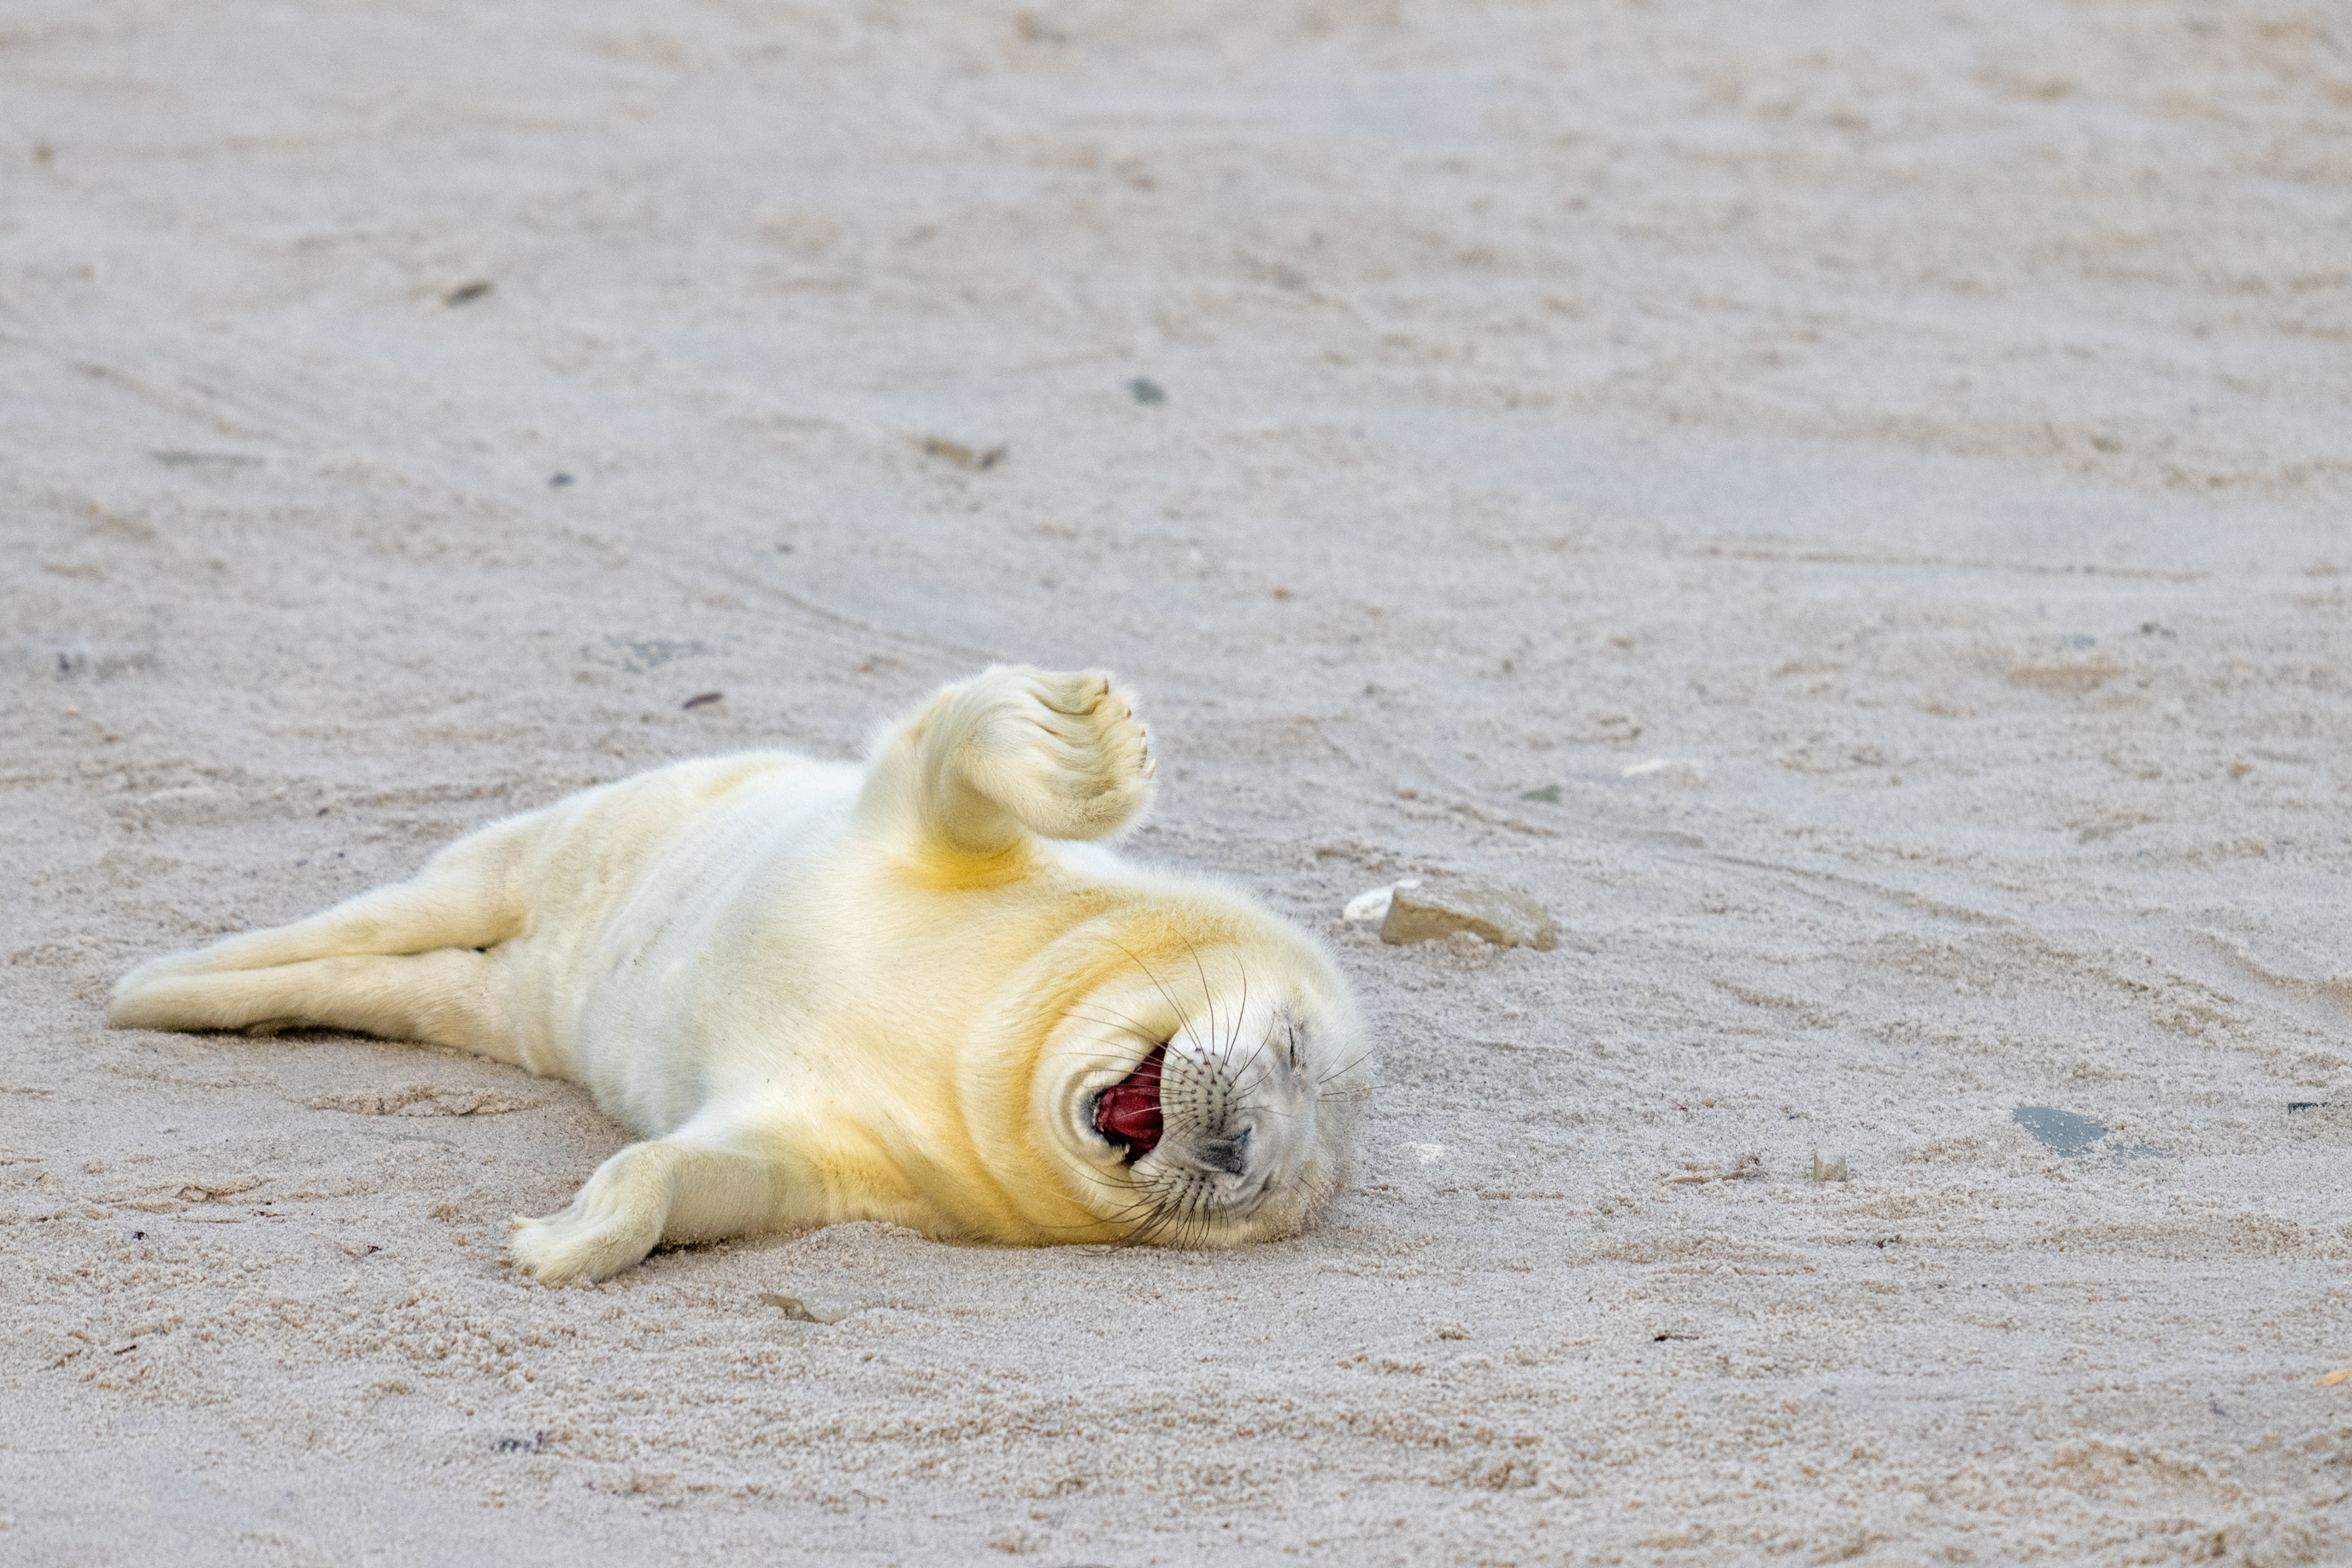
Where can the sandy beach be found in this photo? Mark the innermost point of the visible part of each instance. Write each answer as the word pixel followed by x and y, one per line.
pixel 1851 505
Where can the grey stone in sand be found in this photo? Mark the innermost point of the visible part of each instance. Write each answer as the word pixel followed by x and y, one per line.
pixel 1442 905
pixel 86 661
pixel 2062 1133
pixel 639 655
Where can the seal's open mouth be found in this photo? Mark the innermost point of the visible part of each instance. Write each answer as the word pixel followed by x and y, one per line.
pixel 1129 1112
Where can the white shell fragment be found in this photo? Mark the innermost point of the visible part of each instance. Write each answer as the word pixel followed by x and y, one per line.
pixel 1374 904
pixel 1679 771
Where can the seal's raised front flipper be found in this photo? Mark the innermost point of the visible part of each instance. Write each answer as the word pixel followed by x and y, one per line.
pixel 1012 751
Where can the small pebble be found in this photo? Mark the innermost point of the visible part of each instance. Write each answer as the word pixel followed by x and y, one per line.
pixel 466 293
pixel 965 454
pixel 1145 390
pixel 808 1310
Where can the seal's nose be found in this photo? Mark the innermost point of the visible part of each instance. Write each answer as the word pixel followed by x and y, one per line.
pixel 1230 1155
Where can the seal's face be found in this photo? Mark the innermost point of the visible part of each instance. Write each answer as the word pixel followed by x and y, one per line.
pixel 1209 1105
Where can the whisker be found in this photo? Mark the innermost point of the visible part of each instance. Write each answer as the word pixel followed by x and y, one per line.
pixel 1092 1002
pixel 1346 1067
pixel 1165 995
pixel 1120 1025
pixel 1208 997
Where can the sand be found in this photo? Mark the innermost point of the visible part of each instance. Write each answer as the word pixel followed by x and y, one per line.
pixel 1846 503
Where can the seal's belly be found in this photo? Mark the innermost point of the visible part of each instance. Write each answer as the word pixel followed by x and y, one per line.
pixel 738 956
pixel 639 887
pixel 725 954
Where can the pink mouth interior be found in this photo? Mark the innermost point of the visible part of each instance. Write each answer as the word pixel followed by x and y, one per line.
pixel 1129 1111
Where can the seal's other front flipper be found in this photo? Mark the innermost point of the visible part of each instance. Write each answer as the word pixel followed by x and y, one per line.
pixel 677 1189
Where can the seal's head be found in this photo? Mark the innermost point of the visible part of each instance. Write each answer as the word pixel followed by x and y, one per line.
pixel 1204 1091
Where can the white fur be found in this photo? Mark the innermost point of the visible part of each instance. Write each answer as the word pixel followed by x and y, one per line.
pixel 826 992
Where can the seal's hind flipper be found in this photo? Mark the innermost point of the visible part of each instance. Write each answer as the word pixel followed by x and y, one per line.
pixel 455 996
pixel 406 961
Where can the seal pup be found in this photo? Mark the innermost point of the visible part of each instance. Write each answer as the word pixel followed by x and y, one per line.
pixel 910 990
